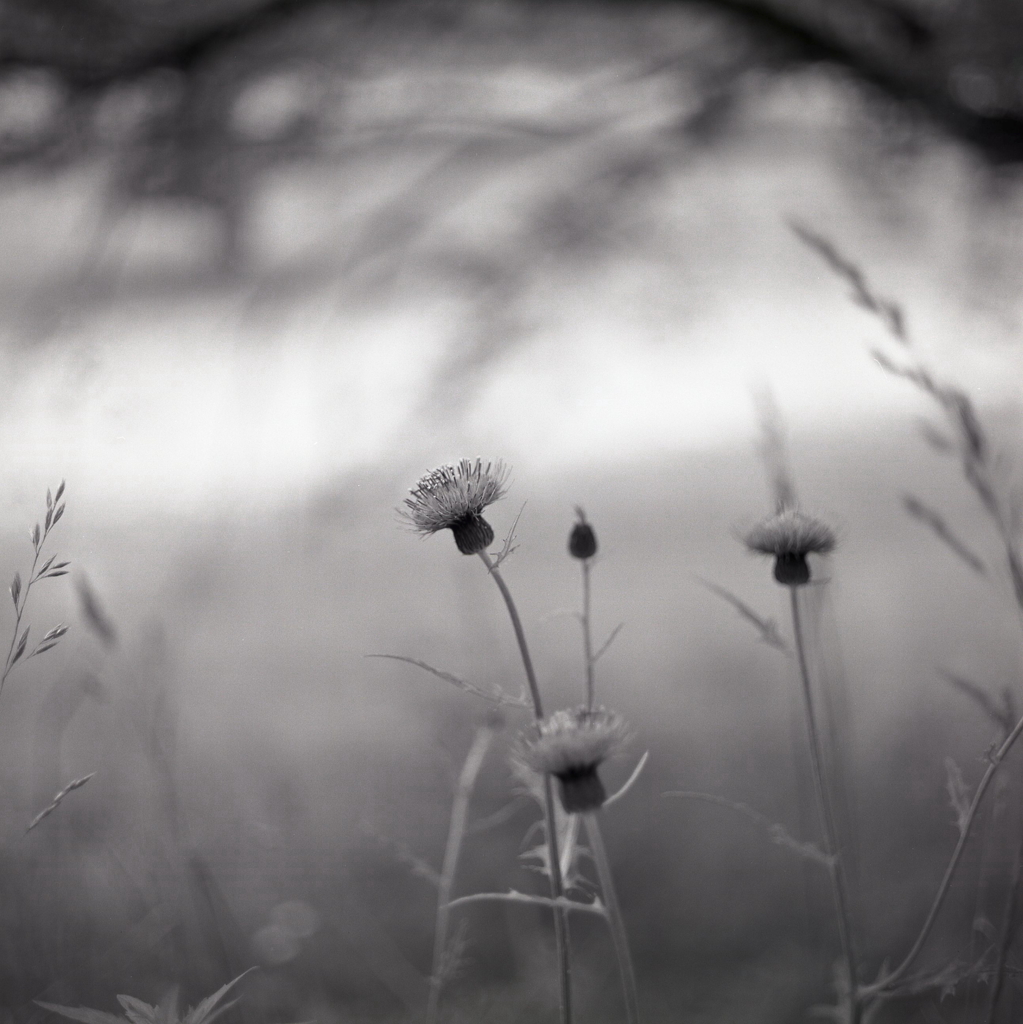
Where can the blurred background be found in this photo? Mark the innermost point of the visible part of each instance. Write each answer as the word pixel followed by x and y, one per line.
pixel 268 261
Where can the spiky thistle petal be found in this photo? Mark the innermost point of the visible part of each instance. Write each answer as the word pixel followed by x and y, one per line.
pixel 571 745
pixel 453 498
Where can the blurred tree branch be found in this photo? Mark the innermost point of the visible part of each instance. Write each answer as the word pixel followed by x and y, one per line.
pixel 957 62
pixel 162 85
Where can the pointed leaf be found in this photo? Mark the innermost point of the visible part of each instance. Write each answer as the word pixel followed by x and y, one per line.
pixel 137 1011
pixel 60 491
pixel 48 521
pixel 35 536
pixel 49 498
pixel 16 588
pixel 82 1013
pixel 46 565
pixel 57 631
pixel 47 811
pixel 958 794
pixel 55 572
pixel 58 514
pixel 204 1012
pixel 20 650
pixel 167 1009
pixel 932 519
pixel 42 649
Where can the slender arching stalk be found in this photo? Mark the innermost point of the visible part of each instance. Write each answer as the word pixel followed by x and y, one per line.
pixel 619 938
pixel 825 807
pixel 997 758
pixel 561 937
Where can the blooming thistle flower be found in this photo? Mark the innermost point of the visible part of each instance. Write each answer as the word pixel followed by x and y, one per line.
pixel 571 745
pixel 790 536
pixel 582 541
pixel 453 498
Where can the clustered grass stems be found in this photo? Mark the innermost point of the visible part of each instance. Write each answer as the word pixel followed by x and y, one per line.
pixel 791 537
pixel 453 498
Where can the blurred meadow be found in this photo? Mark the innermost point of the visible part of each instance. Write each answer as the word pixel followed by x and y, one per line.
pixel 266 263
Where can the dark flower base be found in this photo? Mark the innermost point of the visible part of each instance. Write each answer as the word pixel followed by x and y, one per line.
pixel 582 542
pixel 791 570
pixel 472 534
pixel 581 791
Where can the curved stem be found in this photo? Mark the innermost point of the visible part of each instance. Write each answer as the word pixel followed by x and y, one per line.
pixel 827 815
pixel 520 636
pixel 561 937
pixel 619 938
pixel 587 635
pixel 996 759
pixel 456 833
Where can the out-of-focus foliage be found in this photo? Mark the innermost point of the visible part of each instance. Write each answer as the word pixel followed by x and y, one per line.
pixel 192 100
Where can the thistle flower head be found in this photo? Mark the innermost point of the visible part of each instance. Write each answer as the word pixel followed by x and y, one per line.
pixel 582 541
pixel 571 745
pixel 453 498
pixel 790 536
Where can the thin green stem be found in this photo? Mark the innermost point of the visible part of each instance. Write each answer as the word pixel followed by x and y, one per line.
pixel 561 936
pixel 456 834
pixel 619 938
pixel 997 758
pixel 826 810
pixel 587 633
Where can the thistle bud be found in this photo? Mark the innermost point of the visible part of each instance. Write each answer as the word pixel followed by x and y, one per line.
pixel 582 541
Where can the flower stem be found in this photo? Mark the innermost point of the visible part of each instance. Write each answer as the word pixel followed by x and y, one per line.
pixel 619 938
pixel 520 636
pixel 995 761
pixel 456 834
pixel 825 807
pixel 587 634
pixel 561 937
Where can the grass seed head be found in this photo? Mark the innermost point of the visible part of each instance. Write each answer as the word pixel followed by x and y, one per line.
pixel 571 745
pixel 790 536
pixel 453 498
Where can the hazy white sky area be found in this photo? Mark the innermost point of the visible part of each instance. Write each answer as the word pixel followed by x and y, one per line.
pixel 190 395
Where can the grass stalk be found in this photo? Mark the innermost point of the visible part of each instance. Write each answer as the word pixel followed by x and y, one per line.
pixel 19 593
pixel 1007 934
pixel 561 936
pixel 995 761
pixel 825 807
pixel 456 834
pixel 619 938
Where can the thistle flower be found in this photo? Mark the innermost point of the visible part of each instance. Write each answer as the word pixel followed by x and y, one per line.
pixel 571 745
pixel 790 536
pixel 582 541
pixel 453 498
